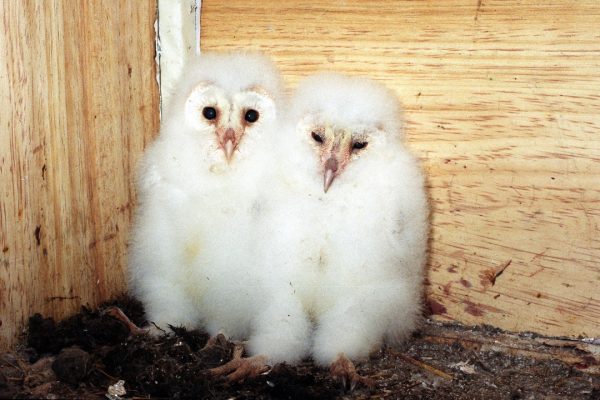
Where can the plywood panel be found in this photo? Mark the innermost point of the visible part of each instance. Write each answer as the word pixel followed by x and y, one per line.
pixel 79 102
pixel 502 104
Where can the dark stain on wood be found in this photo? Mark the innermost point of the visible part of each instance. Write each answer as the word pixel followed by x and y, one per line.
pixel 37 234
pixel 473 309
pixel 435 307
pixel 125 207
pixel 106 238
pixel 61 298
pixel 447 288
pixel 109 236
pixel 479 5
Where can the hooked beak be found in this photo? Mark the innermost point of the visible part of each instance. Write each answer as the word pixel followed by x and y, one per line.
pixel 228 148
pixel 331 168
pixel 335 153
pixel 228 142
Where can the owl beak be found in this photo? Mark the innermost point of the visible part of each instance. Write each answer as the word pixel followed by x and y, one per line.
pixel 331 168
pixel 228 148
pixel 336 154
pixel 228 142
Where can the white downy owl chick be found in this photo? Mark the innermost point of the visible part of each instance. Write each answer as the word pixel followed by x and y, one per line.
pixel 191 259
pixel 353 225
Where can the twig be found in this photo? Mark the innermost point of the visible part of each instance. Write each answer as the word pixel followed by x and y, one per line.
pixel 499 270
pixel 105 374
pixel 423 365
pixel 10 364
pixel 413 385
pixel 567 351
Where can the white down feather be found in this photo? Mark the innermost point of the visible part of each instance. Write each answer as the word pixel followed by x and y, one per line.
pixel 352 257
pixel 192 259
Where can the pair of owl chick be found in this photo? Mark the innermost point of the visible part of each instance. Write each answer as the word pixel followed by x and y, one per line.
pixel 299 225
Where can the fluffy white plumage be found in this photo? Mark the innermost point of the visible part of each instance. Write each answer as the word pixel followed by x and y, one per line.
pixel 191 261
pixel 304 233
pixel 352 257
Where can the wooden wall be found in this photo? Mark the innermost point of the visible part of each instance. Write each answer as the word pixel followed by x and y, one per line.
pixel 502 104
pixel 78 102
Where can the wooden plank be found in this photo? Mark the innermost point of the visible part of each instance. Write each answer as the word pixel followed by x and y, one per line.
pixel 502 103
pixel 79 103
pixel 578 354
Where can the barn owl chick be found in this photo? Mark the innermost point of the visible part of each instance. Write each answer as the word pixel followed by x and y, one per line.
pixel 355 223
pixel 192 262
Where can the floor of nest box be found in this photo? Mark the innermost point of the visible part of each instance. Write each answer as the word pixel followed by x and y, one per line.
pixel 86 356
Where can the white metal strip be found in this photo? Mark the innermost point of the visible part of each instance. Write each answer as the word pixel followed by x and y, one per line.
pixel 178 38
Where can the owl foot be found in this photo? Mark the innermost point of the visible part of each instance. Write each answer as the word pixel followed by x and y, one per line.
pixel 240 368
pixel 343 370
pixel 117 313
pixel 218 340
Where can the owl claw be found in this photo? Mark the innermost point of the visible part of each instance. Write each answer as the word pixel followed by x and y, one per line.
pixel 353 385
pixel 118 314
pixel 344 383
pixel 238 369
pixel 343 369
pixel 218 340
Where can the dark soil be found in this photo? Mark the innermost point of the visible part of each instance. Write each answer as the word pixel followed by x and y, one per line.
pixel 82 356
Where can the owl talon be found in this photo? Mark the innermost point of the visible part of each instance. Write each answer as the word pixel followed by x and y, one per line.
pixel 218 340
pixel 117 313
pixel 238 369
pixel 343 369
pixel 352 385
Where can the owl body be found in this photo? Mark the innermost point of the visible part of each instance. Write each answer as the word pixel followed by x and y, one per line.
pixel 191 260
pixel 356 252
pixel 304 233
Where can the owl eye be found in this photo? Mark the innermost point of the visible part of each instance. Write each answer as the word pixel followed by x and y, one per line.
pixel 251 116
pixel 209 113
pixel 318 138
pixel 359 145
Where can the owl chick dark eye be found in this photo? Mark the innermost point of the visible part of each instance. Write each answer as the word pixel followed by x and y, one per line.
pixel 318 138
pixel 359 145
pixel 209 113
pixel 251 116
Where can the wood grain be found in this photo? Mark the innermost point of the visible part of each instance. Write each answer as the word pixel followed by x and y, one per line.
pixel 502 105
pixel 79 102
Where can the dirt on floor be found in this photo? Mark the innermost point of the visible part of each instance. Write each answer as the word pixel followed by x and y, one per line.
pixel 86 356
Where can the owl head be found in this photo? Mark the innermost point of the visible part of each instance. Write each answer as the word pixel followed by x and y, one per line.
pixel 226 101
pixel 344 119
